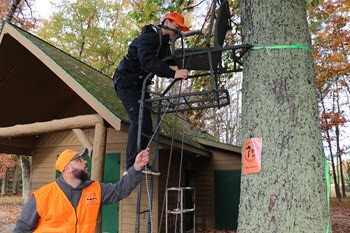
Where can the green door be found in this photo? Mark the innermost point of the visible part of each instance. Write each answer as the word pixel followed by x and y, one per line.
pixel 110 213
pixel 226 191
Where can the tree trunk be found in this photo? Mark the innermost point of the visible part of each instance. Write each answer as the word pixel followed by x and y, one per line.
pixel 25 164
pixel 328 139
pixel 14 7
pixel 279 105
pixel 339 152
pixel 4 183
pixel 16 178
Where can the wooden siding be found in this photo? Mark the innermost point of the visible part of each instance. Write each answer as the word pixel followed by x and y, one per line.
pixel 173 181
pixel 116 142
pixel 205 206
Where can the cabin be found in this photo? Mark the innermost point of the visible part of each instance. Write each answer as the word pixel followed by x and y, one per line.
pixel 51 101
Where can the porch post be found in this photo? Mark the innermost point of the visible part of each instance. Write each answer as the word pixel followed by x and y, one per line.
pixel 98 154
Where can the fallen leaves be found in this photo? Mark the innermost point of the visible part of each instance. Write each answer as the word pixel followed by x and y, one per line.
pixel 340 215
pixel 9 213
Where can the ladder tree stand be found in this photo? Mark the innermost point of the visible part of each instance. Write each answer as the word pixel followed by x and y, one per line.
pixel 214 97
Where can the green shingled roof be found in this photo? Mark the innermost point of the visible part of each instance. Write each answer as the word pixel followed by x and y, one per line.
pixel 101 88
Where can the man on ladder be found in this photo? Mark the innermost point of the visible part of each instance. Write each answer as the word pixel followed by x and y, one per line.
pixel 145 56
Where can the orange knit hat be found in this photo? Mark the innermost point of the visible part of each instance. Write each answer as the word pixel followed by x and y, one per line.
pixel 178 18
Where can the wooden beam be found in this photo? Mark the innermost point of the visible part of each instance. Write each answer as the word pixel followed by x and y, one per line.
pixel 84 121
pixel 83 139
pixel 98 152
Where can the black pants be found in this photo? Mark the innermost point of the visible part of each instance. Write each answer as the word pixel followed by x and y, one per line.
pixel 130 97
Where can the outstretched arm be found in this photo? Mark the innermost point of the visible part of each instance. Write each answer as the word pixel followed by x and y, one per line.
pixel 112 193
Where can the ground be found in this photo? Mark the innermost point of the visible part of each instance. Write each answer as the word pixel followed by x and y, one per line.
pixel 340 215
pixel 10 207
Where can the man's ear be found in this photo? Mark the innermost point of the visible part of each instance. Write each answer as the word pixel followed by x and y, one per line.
pixel 68 169
pixel 166 22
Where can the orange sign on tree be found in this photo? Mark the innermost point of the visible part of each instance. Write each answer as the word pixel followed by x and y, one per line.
pixel 251 156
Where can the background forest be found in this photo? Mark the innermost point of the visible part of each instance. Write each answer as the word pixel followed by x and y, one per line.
pixel 98 32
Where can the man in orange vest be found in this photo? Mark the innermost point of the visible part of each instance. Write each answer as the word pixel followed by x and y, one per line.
pixel 72 202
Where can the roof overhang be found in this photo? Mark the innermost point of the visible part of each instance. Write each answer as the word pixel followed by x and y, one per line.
pixel 218 145
pixel 26 70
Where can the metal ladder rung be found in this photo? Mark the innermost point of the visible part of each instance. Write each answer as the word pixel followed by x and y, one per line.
pixel 190 101
pixel 144 211
pixel 178 211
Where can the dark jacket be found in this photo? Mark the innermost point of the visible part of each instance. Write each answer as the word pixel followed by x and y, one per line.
pixel 145 55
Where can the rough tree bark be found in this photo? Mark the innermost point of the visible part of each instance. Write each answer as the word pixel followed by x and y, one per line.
pixel 14 7
pixel 25 164
pixel 16 178
pixel 335 180
pixel 279 105
pixel 4 183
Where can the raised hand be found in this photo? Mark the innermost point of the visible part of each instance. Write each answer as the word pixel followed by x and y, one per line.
pixel 141 159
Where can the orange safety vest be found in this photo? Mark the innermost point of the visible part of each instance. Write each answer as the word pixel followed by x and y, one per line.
pixel 57 214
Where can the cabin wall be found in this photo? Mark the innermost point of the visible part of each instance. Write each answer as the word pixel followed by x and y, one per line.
pixel 172 180
pixel 205 200
pixel 49 146
pixel 203 169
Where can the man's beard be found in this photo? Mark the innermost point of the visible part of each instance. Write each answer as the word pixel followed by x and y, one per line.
pixel 81 174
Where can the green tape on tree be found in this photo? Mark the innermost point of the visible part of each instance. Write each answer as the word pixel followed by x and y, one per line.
pixel 328 187
pixel 294 46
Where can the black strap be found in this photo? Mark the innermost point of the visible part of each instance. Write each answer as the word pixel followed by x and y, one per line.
pixel 159 30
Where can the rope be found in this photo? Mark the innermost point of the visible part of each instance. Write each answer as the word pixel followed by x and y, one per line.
pixel 173 135
pixel 157 128
pixel 146 178
pixel 175 123
pixel 167 178
pixel 180 175
pixel 169 166
pixel 149 202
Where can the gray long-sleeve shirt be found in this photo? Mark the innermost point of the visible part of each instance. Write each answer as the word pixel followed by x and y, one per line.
pixel 111 193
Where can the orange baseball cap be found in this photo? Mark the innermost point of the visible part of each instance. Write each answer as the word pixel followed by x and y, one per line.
pixel 179 19
pixel 66 156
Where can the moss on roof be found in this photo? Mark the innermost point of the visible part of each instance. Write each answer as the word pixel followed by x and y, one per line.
pixel 101 88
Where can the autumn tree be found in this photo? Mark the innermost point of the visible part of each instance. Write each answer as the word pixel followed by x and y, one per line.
pixel 98 32
pixel 18 12
pixel 6 161
pixel 331 36
pixel 94 31
pixel 280 106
